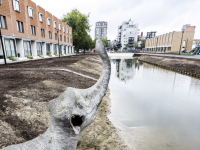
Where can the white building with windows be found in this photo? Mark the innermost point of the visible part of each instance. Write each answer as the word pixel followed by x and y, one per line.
pixel 127 31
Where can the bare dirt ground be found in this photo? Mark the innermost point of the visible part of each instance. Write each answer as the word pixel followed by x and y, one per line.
pixel 25 95
pixel 185 66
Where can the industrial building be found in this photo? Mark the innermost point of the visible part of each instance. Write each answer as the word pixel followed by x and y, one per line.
pixel 172 41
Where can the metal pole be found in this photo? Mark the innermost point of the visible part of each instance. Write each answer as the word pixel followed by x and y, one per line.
pixel 2 47
pixel 181 43
pixel 58 43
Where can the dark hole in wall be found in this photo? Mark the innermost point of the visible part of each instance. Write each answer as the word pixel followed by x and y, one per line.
pixel 77 120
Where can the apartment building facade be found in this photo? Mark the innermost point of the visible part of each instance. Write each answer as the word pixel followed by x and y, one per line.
pixel 27 29
pixel 101 30
pixel 128 31
pixel 171 41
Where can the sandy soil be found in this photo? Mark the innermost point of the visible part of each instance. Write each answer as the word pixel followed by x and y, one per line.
pixel 185 66
pixel 101 134
pixel 25 94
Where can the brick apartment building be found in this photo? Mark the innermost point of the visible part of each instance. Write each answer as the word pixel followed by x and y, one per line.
pixel 28 29
pixel 172 41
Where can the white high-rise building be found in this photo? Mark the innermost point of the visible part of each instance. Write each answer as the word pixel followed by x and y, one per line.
pixel 128 31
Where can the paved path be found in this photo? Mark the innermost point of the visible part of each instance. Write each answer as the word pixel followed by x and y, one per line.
pixel 46 69
pixel 171 55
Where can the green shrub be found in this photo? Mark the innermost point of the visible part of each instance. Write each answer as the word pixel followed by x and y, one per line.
pixel 55 54
pixel 49 53
pixel 40 56
pixel 11 58
pixel 30 57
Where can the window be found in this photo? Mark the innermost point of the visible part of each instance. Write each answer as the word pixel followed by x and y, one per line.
pixel 0 2
pixel 64 38
pixel 67 31
pixel 56 36
pixel 3 22
pixel 60 49
pixel 27 48
pixel 63 29
pixel 39 48
pixel 42 33
pixel 40 17
pixel 64 49
pixel 55 26
pixel 50 35
pixel 60 37
pixel 33 30
pixel 16 5
pixel 49 21
pixel 67 40
pixel 54 49
pixel 48 47
pixel 70 32
pixel 10 48
pixel 30 12
pixel 20 26
pixel 59 26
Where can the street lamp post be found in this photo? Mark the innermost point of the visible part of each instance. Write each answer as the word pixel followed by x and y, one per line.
pixel 58 42
pixel 4 56
pixel 181 43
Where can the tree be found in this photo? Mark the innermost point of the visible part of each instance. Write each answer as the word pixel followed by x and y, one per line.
pixel 127 45
pixel 81 28
pixel 143 43
pixel 93 43
pixel 105 42
pixel 87 43
pixel 135 44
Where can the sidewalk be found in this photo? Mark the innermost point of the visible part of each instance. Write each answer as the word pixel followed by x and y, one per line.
pixel 26 59
pixel 171 55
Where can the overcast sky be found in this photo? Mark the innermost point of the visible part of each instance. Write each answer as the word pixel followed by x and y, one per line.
pixel 162 16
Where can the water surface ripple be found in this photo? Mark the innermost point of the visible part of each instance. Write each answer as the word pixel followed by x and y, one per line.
pixel 155 109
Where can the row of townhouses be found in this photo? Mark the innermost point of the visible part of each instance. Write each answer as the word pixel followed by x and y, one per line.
pixel 29 30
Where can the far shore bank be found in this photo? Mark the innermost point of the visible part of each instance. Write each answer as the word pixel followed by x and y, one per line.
pixel 185 66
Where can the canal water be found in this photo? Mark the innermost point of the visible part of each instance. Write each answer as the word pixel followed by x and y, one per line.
pixel 153 108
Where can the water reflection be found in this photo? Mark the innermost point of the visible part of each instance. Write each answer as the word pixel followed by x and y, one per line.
pixel 125 68
pixel 156 108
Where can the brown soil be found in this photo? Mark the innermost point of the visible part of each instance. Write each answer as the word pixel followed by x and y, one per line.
pixel 25 94
pixel 185 66
pixel 101 134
